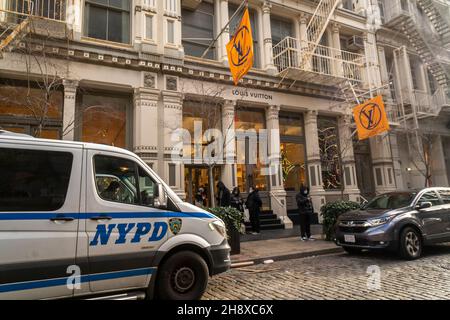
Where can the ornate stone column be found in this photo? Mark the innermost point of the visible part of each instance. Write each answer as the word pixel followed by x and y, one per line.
pixel 69 112
pixel 303 37
pixel 172 120
pixel 313 161
pixel 349 181
pixel 225 37
pixel 397 163
pixel 338 67
pixel 267 36
pixel 228 133
pixel 277 192
pixel 145 120
pixel 384 72
pixel 382 161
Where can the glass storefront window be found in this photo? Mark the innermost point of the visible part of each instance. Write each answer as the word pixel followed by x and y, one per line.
pixel 208 114
pixel 196 184
pixel 291 125
pixel 329 153
pixel 28 110
pixel 293 156
pixel 104 119
pixel 294 165
pixel 249 172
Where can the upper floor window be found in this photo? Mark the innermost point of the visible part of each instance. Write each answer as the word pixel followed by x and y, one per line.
pixel 170 31
pixel 234 25
pixel 348 4
pixel 170 6
pixel 108 20
pixel 281 28
pixel 198 30
pixel 149 27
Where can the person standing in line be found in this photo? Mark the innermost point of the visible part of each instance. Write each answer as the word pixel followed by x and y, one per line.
pixel 306 210
pixel 254 204
pixel 223 196
pixel 236 200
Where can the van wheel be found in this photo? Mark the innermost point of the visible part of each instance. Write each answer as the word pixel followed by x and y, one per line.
pixel 410 244
pixel 352 251
pixel 183 276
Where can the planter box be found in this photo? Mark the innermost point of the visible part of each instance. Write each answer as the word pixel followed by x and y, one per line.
pixel 234 240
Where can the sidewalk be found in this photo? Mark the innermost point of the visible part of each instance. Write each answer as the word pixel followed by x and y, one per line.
pixel 256 252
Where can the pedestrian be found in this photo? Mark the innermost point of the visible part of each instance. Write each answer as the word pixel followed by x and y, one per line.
pixel 199 197
pixel 223 196
pixel 254 205
pixel 236 200
pixel 305 208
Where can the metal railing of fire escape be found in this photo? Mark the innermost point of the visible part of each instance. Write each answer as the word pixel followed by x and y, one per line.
pixel 407 18
pixel 414 103
pixel 16 15
pixel 291 53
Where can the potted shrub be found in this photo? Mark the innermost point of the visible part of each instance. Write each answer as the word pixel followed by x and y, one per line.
pixel 331 211
pixel 233 219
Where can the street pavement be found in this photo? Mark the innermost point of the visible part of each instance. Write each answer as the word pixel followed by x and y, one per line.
pixel 371 275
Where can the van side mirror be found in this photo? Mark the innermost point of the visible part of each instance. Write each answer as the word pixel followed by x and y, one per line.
pixel 160 197
pixel 424 205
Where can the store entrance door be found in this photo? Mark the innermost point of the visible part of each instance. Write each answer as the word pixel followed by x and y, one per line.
pixel 196 179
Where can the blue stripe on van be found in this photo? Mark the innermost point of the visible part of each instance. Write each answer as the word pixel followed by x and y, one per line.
pixel 115 215
pixel 39 284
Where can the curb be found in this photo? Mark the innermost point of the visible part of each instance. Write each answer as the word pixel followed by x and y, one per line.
pixel 289 256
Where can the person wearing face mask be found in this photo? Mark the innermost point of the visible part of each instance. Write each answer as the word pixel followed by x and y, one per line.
pixel 306 210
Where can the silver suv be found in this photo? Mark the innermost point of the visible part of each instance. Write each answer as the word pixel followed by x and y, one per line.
pixel 403 221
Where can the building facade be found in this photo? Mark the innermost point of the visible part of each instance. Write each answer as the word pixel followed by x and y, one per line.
pixel 131 73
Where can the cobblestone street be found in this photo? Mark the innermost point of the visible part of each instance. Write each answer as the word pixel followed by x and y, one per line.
pixel 340 276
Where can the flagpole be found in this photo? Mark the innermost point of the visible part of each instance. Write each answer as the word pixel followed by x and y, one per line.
pixel 243 4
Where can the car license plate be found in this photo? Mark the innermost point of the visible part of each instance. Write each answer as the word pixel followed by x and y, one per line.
pixel 349 238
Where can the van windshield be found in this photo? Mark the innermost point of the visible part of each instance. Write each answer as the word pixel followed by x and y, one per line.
pixel 391 201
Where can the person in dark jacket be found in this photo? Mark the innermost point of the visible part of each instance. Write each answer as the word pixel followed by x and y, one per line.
pixel 306 210
pixel 236 200
pixel 254 205
pixel 223 196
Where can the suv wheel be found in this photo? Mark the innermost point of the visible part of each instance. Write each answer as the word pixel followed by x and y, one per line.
pixel 352 250
pixel 183 276
pixel 410 244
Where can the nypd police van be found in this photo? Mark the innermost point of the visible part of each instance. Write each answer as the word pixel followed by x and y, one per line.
pixel 94 221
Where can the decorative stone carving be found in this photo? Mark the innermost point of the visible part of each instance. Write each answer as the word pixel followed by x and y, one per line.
pixel 172 83
pixel 149 80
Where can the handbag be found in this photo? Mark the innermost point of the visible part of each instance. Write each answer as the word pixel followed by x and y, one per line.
pixel 246 214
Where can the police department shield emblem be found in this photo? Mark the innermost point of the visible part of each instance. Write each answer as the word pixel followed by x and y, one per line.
pixel 175 225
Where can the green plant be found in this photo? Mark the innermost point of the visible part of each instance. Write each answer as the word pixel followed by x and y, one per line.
pixel 331 211
pixel 231 216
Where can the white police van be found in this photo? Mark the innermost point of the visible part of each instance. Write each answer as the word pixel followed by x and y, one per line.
pixel 87 220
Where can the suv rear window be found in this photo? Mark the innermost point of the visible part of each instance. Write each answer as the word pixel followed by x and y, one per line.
pixel 33 180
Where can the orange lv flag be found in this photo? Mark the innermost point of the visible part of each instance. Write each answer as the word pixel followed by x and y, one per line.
pixel 370 118
pixel 240 49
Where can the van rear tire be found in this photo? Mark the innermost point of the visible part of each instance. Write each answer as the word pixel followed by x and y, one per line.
pixel 183 276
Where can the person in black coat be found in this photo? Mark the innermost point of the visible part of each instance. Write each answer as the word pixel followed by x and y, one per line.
pixel 305 208
pixel 236 200
pixel 254 204
pixel 223 196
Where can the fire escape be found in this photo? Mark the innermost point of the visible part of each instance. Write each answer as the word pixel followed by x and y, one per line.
pixel 308 60
pixel 20 17
pixel 432 48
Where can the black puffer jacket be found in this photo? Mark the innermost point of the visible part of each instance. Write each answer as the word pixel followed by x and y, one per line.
pixel 304 203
